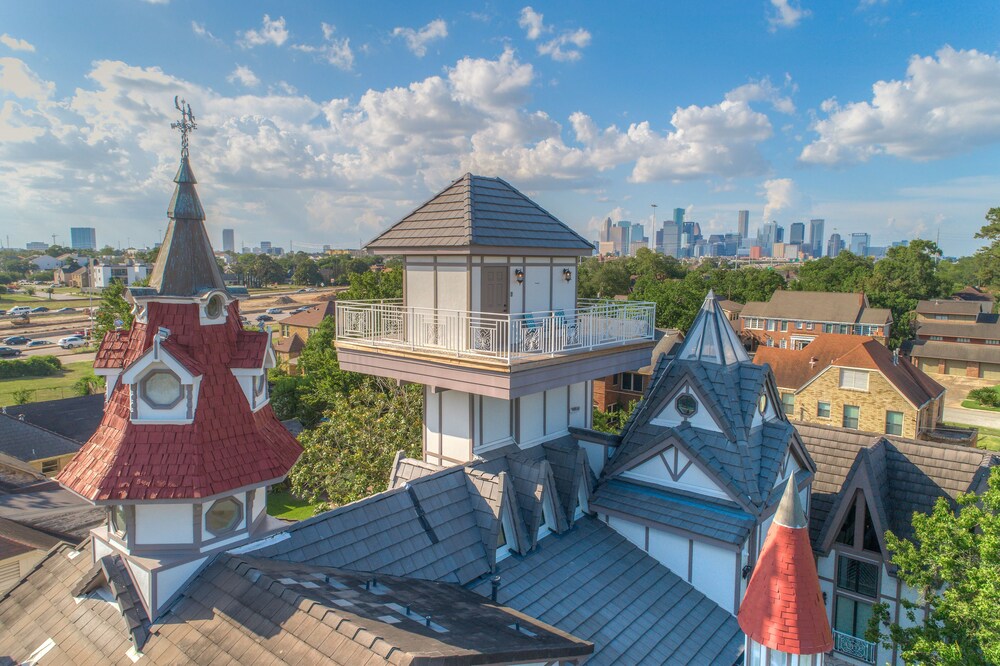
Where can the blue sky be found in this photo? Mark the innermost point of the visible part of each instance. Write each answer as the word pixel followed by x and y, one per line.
pixel 322 123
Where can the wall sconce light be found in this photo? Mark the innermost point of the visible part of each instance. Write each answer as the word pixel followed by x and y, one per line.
pixel 567 274
pixel 519 275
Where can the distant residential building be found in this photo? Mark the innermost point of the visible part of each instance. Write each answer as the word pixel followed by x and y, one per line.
pixel 45 451
pixel 797 233
pixel 620 390
pixel 36 246
pixel 792 319
pixel 102 275
pixel 72 277
pixel 743 223
pixel 974 294
pixel 228 240
pixel 83 238
pixel 295 331
pixel 44 263
pixel 854 381
pixel 816 237
pixel 955 337
pixel 860 243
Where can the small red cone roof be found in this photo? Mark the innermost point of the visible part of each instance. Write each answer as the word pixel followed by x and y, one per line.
pixel 783 607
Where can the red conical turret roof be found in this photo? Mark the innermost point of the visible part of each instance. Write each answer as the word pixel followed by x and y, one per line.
pixel 783 607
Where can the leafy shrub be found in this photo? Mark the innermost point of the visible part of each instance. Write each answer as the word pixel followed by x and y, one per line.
pixel 988 397
pixel 21 396
pixel 36 366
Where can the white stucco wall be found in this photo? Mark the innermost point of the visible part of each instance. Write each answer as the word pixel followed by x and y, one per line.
pixel 713 573
pixel 452 285
pixel 563 292
pixel 671 550
pixel 692 480
pixel 419 283
pixel 164 523
pixel 556 411
pixel 532 419
pixel 579 404
pixel 496 421
pixel 168 581
pixel 456 427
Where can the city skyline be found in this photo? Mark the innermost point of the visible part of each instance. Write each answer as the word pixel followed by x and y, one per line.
pixel 337 121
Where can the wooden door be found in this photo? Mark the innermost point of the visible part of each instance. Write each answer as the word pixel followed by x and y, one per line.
pixel 495 295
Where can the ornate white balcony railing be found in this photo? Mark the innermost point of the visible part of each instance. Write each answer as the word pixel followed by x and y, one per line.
pixel 502 338
pixel 852 646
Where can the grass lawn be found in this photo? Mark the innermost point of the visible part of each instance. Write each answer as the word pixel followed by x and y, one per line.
pixel 989 438
pixel 53 387
pixel 974 404
pixel 282 504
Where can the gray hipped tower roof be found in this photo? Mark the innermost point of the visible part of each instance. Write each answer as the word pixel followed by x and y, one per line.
pixel 711 337
pixel 479 215
pixel 186 264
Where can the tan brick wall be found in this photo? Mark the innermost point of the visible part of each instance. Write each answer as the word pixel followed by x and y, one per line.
pixel 881 397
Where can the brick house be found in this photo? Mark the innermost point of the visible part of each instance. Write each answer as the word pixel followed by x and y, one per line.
pixel 295 331
pixel 792 319
pixel 855 382
pixel 957 337
pixel 620 390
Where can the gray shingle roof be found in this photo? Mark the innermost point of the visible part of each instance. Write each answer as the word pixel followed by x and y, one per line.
pixel 915 473
pixel 593 583
pixel 986 326
pixel 818 306
pixel 718 520
pixel 244 610
pixel 76 418
pixel 954 351
pixel 951 306
pixel 27 442
pixel 478 213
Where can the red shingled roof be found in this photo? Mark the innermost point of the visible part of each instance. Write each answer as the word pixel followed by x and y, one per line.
pixel 783 606
pixel 111 353
pixel 228 446
pixel 251 346
pixel 793 368
pixel 312 317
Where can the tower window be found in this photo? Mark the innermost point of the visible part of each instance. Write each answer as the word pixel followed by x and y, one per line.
pixel 224 516
pixel 215 306
pixel 117 520
pixel 686 405
pixel 161 389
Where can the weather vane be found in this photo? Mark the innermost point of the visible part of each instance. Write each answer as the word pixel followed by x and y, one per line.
pixel 186 124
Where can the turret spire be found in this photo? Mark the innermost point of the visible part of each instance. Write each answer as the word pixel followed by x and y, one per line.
pixel 711 337
pixel 186 264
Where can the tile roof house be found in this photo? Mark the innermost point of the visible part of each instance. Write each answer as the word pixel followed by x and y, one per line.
pixel 957 337
pixel 295 331
pixel 792 319
pixel 865 484
pixel 855 382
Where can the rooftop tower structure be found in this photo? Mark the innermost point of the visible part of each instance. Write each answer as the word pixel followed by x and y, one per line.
pixel 490 322
pixel 188 443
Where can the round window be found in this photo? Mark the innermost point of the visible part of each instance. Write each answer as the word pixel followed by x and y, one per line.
pixel 224 516
pixel 118 524
pixel 762 402
pixel 686 405
pixel 215 306
pixel 260 384
pixel 162 388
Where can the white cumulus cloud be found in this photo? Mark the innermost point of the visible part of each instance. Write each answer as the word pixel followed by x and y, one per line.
pixel 271 32
pixel 947 104
pixel 417 40
pixel 781 195
pixel 786 14
pixel 565 47
pixel 17 78
pixel 15 44
pixel 244 76
pixel 334 50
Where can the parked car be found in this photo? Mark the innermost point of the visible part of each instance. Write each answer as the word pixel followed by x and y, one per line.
pixel 16 340
pixel 274 311
pixel 40 308
pixel 301 309
pixel 66 310
pixel 2 312
pixel 9 352
pixel 39 343
pixel 265 317
pixel 71 342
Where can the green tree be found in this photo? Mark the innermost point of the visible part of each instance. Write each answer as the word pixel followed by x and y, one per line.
pixel 113 307
pixel 374 285
pixel 613 421
pixel 88 384
pixel 306 272
pixel 604 279
pixel 845 272
pixel 988 256
pixel 21 396
pixel 953 562
pixel 906 275
pixel 958 273
pixel 348 456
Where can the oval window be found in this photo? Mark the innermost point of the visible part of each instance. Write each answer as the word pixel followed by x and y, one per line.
pixel 762 402
pixel 161 389
pixel 686 405
pixel 224 516
pixel 215 305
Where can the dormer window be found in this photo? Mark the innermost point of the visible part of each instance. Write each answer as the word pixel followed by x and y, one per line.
pixel 212 309
pixel 117 522
pixel 161 389
pixel 260 388
pixel 224 516
pixel 686 405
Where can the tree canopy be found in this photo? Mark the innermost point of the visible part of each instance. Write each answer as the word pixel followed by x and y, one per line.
pixel 953 563
pixel 112 307
pixel 988 257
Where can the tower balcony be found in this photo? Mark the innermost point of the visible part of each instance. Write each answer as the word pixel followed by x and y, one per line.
pixel 494 354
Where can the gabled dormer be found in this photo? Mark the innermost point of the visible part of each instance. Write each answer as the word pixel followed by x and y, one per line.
pixel 254 358
pixel 163 384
